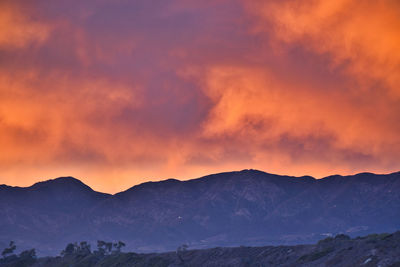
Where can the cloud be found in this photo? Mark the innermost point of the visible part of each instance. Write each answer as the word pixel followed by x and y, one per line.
pixel 362 37
pixel 120 93
pixel 18 30
pixel 293 124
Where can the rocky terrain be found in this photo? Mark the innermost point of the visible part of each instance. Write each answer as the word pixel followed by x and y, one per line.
pixel 373 250
pixel 245 208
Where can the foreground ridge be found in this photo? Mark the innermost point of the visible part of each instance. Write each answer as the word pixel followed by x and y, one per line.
pixel 372 250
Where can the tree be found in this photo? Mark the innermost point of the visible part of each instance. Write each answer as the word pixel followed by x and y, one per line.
pixel 69 250
pixel 10 250
pixel 101 247
pixel 83 248
pixel 27 257
pixel 118 246
pixel 108 246
pixel 28 254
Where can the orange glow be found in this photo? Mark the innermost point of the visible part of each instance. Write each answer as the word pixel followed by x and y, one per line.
pixel 363 35
pixel 116 98
pixel 18 31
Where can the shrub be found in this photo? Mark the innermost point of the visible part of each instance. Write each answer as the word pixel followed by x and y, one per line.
pixel 342 237
pixel 315 255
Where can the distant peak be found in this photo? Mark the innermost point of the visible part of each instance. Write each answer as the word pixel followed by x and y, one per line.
pixel 61 181
pixel 365 173
pixel 380 174
pixel 251 171
pixel 166 182
pixel 64 179
pixel 307 177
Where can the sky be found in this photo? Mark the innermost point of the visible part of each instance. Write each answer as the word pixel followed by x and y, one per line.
pixel 121 92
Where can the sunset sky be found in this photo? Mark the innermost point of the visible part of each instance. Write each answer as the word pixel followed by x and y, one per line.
pixel 120 92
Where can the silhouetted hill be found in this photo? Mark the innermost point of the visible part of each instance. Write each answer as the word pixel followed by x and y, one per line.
pixel 228 209
pixel 374 250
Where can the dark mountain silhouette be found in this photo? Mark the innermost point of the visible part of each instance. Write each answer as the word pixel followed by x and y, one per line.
pixel 372 250
pixel 228 209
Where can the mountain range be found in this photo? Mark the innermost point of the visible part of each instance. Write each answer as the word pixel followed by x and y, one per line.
pixel 249 207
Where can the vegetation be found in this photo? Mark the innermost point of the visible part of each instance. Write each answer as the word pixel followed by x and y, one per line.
pixel 25 258
pixel 316 255
pixel 73 253
pixel 9 251
pixel 341 250
pixel 374 238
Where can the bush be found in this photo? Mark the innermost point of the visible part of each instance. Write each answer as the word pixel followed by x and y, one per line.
pixel 325 240
pixel 373 238
pixel 342 237
pixel 315 255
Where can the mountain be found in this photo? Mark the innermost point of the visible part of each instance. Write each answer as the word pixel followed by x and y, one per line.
pixel 248 207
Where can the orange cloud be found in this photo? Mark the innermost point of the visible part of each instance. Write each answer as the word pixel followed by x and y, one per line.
pixel 18 30
pixel 120 93
pixel 362 36
pixel 280 123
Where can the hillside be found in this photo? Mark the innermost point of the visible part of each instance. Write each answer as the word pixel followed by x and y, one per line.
pixel 249 208
pixel 373 250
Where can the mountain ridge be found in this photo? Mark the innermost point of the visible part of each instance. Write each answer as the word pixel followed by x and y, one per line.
pixel 77 180
pixel 247 207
